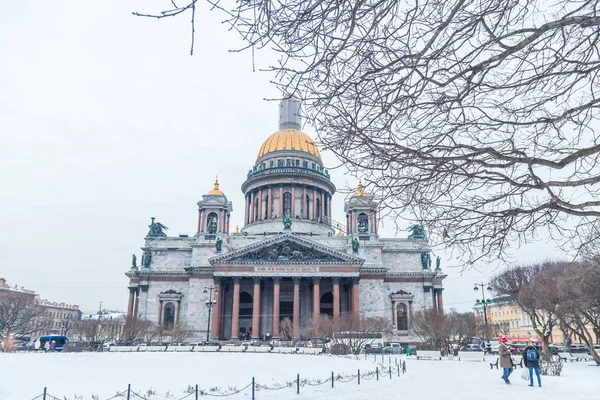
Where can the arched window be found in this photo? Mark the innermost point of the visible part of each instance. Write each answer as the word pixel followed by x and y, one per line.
pixel 402 317
pixel 363 223
pixel 169 318
pixel 287 204
pixel 211 223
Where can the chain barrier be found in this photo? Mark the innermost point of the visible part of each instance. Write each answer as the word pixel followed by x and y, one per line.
pixel 227 394
pixel 379 373
pixel 288 385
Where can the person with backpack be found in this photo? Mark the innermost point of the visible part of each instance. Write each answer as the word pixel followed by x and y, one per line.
pixel 505 361
pixel 531 360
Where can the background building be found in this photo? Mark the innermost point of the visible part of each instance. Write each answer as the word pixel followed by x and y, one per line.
pixel 287 261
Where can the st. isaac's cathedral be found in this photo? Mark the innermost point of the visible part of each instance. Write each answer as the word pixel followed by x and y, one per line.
pixel 287 261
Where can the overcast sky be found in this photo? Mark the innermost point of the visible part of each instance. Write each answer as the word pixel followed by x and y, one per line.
pixel 105 121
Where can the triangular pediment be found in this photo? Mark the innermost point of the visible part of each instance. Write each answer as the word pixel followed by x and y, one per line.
pixel 286 249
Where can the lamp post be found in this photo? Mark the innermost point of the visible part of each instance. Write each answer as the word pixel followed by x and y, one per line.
pixel 209 304
pixel 484 302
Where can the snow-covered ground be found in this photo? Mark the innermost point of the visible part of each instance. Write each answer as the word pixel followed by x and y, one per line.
pixel 23 377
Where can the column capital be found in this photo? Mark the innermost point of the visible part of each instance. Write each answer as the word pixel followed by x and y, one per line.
pixel 237 280
pixel 217 280
pixel 316 279
pixel 256 280
pixel 277 280
pixel 336 280
pixel 355 280
pixel 296 280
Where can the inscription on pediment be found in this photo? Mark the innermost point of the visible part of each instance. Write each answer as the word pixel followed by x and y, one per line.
pixel 287 251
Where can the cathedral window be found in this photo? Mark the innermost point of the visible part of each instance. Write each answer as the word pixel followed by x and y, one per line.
pixel 314 166
pixel 287 204
pixel 402 317
pixel 280 163
pixel 169 318
pixel 363 223
pixel 288 163
pixel 271 163
pixel 305 164
pixel 297 163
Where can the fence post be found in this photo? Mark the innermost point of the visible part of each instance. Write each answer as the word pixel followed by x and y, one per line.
pixel 390 360
pixel 390 371
pixel 376 372
pixel 252 388
pixel 196 392
pixel 298 384
pixel 44 394
pixel 332 379
pixel 128 390
pixel 397 366
pixel 359 376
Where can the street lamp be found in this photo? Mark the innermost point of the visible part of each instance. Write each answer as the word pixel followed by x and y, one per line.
pixel 209 304
pixel 484 302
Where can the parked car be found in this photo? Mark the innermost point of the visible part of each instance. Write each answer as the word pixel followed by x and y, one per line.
pixel 579 348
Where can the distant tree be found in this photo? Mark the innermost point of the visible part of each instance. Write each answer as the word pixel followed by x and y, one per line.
pixel 463 326
pixel 286 329
pixel 535 289
pixel 433 327
pixel 181 333
pixel 20 314
pixel 478 117
pixel 354 332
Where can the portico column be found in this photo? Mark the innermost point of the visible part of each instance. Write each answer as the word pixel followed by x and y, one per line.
pixel 130 303
pixel 251 207
pixel 276 282
pixel 355 298
pixel 296 316
pixel 305 216
pixel 216 311
pixel 347 223
pixel 260 205
pixel 314 213
pixel 200 220
pixel 440 300
pixel 394 315
pixel 235 315
pixel 269 202
pixel 280 202
pixel 355 221
pixel 322 205
pixel 177 311
pixel 316 298
pixel 293 202
pixel 160 308
pixel 336 297
pixel 256 309
pixel 221 223
pixel 329 211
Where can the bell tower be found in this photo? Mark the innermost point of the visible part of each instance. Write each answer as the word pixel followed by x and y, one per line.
pixel 214 212
pixel 361 214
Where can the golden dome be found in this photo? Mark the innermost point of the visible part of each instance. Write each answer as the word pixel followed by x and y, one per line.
pixel 216 191
pixel 361 191
pixel 289 139
pixel 340 233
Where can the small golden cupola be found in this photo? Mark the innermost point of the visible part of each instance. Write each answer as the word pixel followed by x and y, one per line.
pixel 216 191
pixel 360 192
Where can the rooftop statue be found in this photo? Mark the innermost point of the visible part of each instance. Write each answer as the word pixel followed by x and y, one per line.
pixel 417 231
pixel 146 258
pixel 156 229
pixel 287 223
pixel 355 245
pixel 219 244
pixel 133 261
pixel 438 261
pixel 425 260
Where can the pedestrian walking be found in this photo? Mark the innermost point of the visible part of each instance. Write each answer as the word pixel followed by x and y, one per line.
pixel 37 344
pixel 505 360
pixel 46 346
pixel 53 345
pixel 531 359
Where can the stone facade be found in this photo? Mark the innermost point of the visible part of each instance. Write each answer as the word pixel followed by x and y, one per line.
pixel 287 261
